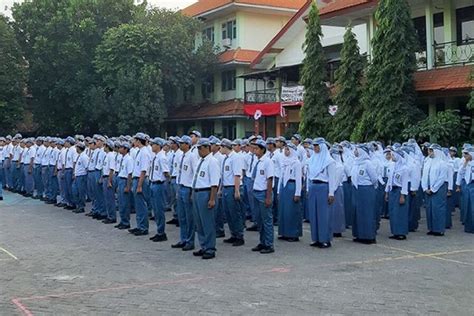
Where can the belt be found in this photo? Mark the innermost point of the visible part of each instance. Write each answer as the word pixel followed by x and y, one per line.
pixel 37 164
pixel 259 190
pixel 157 182
pixel 125 178
pixel 68 169
pixel 105 176
pixel 228 186
pixel 202 190
pixel 318 182
pixel 173 177
pixel 292 181
pixel 185 187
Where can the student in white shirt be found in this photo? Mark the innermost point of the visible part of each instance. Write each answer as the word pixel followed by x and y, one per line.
pixel 174 157
pixel 159 173
pixel 2 170
pixel 231 190
pixel 100 212
pixel 29 158
pixel 70 157
pixel 124 185
pixel 321 185
pixel 290 226
pixel 205 183
pixel 79 186
pixel 275 157
pixel 37 169
pixel 108 172
pixel 263 174
pixel 140 185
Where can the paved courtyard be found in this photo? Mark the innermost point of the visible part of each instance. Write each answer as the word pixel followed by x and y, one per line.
pixel 54 262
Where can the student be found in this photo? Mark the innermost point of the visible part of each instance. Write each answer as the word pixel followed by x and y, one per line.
pixel 262 175
pixel 79 186
pixel 231 190
pixel 364 179
pixel 337 208
pixel 396 196
pixel 467 170
pixel 107 180
pixel 124 185
pixel 290 226
pixel 321 187
pixel 205 184
pixel 435 176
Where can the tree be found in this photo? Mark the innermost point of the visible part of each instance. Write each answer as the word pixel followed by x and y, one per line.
pixel 389 93
pixel 349 89
pixel 144 65
pixel 314 114
pixel 59 39
pixel 446 128
pixel 12 79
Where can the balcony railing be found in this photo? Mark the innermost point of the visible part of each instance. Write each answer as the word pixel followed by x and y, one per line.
pixel 261 96
pixel 451 53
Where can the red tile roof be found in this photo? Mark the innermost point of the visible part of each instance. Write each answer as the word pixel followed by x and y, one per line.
pixel 444 79
pixel 207 110
pixel 203 6
pixel 238 55
pixel 336 6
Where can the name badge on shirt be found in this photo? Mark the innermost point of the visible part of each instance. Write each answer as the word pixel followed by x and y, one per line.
pixel 138 163
pixel 79 163
pixel 156 168
pixel 397 176
pixel 185 167
pixel 361 172
pixel 227 168
pixel 202 174
pixel 262 172
pixel 291 171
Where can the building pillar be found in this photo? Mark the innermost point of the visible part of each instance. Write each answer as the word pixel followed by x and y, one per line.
pixel 449 19
pixel 218 128
pixel 240 128
pixel 430 56
pixel 370 34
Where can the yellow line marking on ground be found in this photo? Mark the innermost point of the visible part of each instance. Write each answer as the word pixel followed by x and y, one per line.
pixel 8 253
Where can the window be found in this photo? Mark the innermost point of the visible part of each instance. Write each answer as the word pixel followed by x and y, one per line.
pixel 228 80
pixel 229 30
pixel 207 87
pixel 465 25
pixel 438 30
pixel 208 33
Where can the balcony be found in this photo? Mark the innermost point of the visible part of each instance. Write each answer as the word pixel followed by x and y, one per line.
pixel 454 53
pixel 262 96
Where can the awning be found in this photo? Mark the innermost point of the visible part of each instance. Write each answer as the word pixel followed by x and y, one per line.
pixel 292 104
pixel 266 109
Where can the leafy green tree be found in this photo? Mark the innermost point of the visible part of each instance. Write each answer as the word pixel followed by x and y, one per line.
pixel 389 94
pixel 446 128
pixel 12 79
pixel 314 114
pixel 144 65
pixel 59 39
pixel 349 89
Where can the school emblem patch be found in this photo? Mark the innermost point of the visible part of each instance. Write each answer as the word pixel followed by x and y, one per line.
pixel 202 174
pixel 262 172
pixel 361 172
pixel 227 168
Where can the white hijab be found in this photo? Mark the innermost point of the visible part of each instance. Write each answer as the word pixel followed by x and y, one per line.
pixel 287 162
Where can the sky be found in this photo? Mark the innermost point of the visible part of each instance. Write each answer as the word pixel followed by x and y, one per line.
pixel 5 5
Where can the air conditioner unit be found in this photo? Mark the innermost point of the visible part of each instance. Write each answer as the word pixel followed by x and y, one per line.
pixel 226 42
pixel 270 84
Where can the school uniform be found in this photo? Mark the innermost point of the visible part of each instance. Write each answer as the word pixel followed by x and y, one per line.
pixel 2 171
pixel 250 161
pixel 100 208
pixel 364 180
pixel 219 210
pixel 60 175
pixel 290 217
pixel 173 158
pixel 158 168
pixel 321 185
pixel 206 176
pixel 17 150
pixel 124 200
pixel 261 172
pixel 39 187
pixel 80 181
pixel 184 205
pixel 398 185
pixel 7 165
pixel 337 211
pixel 435 175
pixel 275 157
pixel 141 164
pixel 29 184
pixel 232 167
pixel 92 178
pixel 70 158
pixel 468 217
pixel 109 190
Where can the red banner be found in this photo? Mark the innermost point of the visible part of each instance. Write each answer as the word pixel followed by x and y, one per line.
pixel 266 109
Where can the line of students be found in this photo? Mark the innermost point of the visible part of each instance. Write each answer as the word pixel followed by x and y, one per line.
pixel 207 182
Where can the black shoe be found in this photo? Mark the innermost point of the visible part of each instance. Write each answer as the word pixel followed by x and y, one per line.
pixel 258 247
pixel 356 240
pixel 248 217
pixel 267 250
pixel 220 235
pixel 430 233
pixel 152 218
pixel 133 230
pixel 1 198
pixel 253 228
pixel 393 237
pixel 315 244
pixel 50 202
pixel 282 238
pixel 160 238
pixel 206 256
pixel 35 197
pixel 173 221
pixel 198 253
pixel 178 245
pixel 230 240
pixel 438 234
pixel 238 242
pixel 78 211
pixel 118 226
pixel 67 207
pixel 187 248
pixel 141 233
pixel 324 245
pixel 292 239
pixel 337 235
pixel 55 204
pixel 101 217
pixel 306 221
pixel 121 227
pixel 109 221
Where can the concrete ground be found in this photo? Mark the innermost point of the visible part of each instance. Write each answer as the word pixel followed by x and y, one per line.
pixel 54 262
